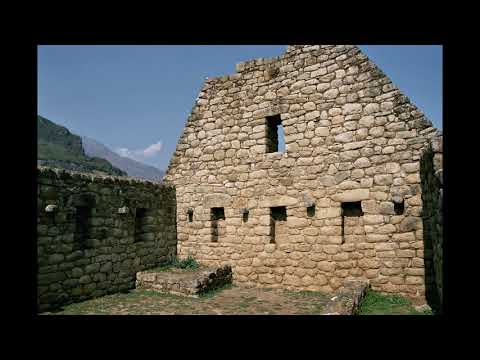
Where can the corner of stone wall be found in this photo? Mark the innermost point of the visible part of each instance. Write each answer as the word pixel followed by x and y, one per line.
pixel 432 213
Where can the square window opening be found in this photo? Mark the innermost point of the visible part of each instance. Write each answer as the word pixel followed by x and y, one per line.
pixel 352 209
pixel 218 214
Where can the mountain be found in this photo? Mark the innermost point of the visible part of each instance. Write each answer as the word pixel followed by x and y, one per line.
pixel 59 148
pixel 131 167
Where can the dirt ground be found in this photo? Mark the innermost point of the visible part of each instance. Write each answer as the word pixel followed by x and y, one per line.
pixel 232 300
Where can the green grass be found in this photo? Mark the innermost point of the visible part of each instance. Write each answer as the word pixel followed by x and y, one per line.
pixel 187 264
pixel 380 304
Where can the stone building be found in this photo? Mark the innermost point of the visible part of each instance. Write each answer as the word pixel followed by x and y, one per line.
pixel 343 200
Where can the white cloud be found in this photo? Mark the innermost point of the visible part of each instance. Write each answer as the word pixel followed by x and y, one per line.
pixel 152 149
pixel 123 152
pixel 140 154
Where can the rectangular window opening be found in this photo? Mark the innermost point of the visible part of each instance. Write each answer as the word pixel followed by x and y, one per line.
pixel 275 135
pixel 399 207
pixel 311 211
pixel 278 224
pixel 218 223
pixel 350 209
pixel 82 225
pixel 245 215
pixel 140 222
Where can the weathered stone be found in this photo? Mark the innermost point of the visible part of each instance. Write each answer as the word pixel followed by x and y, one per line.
pixel 278 201
pixel 331 94
pixel 383 179
pixel 362 162
pixel 352 109
pixel 352 195
pixel 217 200
pixel 409 223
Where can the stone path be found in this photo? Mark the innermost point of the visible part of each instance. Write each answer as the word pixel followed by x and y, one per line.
pixel 229 301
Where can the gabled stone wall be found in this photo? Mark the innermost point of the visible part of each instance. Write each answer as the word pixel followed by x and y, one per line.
pixel 88 244
pixel 351 136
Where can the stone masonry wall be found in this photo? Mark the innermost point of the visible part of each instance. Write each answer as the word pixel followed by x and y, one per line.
pixel 432 196
pixel 89 243
pixel 351 136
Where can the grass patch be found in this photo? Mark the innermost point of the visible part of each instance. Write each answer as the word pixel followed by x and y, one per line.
pixel 187 264
pixel 380 304
pixel 243 306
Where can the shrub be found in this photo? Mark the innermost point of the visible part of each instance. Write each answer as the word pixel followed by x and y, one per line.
pixel 188 263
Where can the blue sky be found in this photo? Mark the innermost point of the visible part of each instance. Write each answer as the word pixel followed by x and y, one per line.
pixel 136 99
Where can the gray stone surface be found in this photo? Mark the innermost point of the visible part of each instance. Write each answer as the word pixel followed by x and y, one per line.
pixel 185 282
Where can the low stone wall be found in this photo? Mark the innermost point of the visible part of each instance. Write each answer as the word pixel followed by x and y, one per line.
pixel 432 197
pixel 95 233
pixel 185 282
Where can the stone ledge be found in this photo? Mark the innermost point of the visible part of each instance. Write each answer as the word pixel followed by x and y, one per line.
pixel 189 283
pixel 63 174
pixel 347 299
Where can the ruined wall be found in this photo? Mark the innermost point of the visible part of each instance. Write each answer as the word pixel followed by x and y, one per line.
pixel 432 196
pixel 351 137
pixel 93 235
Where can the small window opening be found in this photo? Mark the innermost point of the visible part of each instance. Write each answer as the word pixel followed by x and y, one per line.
pixel 350 209
pixel 140 222
pixel 190 215
pixel 218 223
pixel 82 225
pixel 399 207
pixel 245 215
pixel 278 230
pixel 275 134
pixel 311 211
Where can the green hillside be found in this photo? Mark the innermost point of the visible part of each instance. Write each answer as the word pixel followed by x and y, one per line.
pixel 58 147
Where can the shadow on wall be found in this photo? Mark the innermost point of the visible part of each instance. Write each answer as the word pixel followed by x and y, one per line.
pixel 431 173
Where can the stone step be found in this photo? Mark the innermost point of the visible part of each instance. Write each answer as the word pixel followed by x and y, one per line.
pixel 185 282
